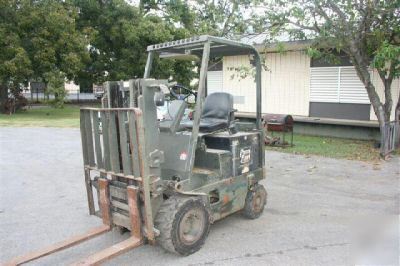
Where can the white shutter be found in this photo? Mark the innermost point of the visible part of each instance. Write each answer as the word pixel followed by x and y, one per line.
pixel 351 88
pixel 214 81
pixel 337 85
pixel 324 84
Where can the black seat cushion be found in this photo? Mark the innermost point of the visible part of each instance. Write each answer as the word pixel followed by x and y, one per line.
pixel 216 113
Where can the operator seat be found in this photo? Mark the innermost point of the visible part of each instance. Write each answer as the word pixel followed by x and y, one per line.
pixel 218 113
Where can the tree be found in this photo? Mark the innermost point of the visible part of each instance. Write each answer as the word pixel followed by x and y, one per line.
pixel 39 41
pixel 368 31
pixel 227 18
pixel 119 34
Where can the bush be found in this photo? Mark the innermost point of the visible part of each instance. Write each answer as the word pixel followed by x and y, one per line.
pixel 55 86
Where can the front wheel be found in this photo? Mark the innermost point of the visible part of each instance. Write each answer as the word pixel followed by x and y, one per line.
pixel 184 223
pixel 255 202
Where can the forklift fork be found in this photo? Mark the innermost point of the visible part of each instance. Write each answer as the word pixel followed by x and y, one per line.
pixel 135 240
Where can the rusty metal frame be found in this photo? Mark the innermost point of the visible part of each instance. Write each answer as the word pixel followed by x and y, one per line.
pixel 111 252
pixel 135 240
pixel 75 239
pixel 105 201
pixel 59 246
pixel 133 194
pixel 144 171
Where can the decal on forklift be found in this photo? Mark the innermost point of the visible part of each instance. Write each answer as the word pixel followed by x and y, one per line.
pixel 183 156
pixel 245 155
pixel 245 169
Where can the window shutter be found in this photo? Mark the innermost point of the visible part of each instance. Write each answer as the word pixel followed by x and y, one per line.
pixel 351 88
pixel 337 85
pixel 324 84
pixel 214 81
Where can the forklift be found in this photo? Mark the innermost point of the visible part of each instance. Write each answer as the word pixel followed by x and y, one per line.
pixel 167 179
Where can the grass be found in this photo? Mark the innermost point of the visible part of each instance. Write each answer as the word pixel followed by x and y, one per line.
pixel 43 117
pixel 332 147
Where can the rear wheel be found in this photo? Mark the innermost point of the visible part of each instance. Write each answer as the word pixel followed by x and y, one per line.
pixel 184 223
pixel 255 202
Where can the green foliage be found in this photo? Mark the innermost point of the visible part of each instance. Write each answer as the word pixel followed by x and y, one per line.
pixel 387 56
pixel 242 72
pixel 38 38
pixel 119 34
pixel 55 86
pixel 95 41
pixel 213 17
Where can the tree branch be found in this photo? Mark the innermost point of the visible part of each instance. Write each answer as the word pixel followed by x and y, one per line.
pixel 337 10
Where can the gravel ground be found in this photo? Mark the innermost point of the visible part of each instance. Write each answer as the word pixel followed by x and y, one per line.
pixel 313 205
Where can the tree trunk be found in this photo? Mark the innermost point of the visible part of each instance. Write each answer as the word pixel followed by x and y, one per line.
pixel 3 98
pixel 387 82
pixel 361 66
pixel 397 119
pixel 397 112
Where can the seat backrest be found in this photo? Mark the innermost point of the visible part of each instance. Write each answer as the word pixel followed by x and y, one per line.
pixel 218 105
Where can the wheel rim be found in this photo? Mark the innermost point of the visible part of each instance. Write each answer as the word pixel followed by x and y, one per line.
pixel 191 226
pixel 258 202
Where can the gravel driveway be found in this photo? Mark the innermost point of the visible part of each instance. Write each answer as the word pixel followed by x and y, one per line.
pixel 313 204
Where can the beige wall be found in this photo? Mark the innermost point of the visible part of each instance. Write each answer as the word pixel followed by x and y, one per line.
pixel 285 85
pixel 380 89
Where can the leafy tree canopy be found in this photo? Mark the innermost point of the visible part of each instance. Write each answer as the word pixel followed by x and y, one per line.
pixel 213 17
pixel 39 41
pixel 119 34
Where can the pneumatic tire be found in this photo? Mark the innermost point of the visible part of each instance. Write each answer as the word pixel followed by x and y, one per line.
pixel 255 202
pixel 184 223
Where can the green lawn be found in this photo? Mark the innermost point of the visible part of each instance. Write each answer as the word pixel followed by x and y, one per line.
pixel 332 147
pixel 43 117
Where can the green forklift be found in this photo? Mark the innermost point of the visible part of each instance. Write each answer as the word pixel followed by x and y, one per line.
pixel 167 179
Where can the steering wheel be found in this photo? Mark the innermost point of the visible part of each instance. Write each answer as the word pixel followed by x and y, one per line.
pixel 181 92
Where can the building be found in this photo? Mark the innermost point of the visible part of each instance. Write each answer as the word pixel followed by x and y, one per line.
pixel 39 87
pixel 36 91
pixel 324 99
